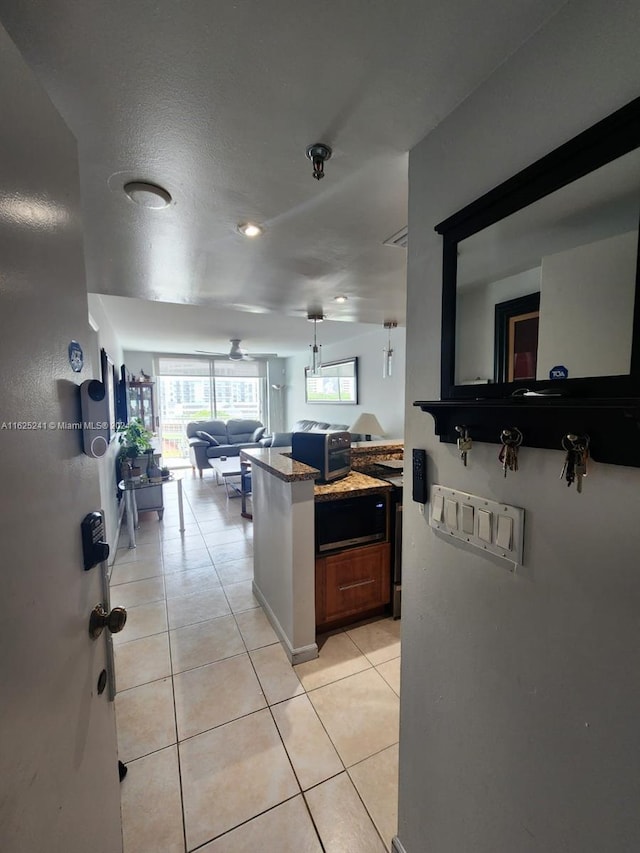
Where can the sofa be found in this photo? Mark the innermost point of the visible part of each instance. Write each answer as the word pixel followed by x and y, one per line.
pixel 283 439
pixel 213 439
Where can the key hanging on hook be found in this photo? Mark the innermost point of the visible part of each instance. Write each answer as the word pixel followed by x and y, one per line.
pixel 511 440
pixel 574 468
pixel 464 443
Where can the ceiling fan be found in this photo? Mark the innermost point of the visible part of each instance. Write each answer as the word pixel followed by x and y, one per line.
pixel 237 354
pixel 234 354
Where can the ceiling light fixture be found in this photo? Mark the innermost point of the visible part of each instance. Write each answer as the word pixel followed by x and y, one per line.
pixel 318 153
pixel 148 195
pixel 387 352
pixel 340 299
pixel 316 349
pixel 249 229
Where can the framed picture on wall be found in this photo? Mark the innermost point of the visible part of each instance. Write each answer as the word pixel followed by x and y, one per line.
pixel 335 382
pixel 109 380
pixel 516 338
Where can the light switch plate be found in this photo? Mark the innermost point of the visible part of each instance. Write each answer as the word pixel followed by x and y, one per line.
pixel 503 525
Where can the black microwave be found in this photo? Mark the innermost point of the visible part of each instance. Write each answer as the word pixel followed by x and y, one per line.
pixel 329 452
pixel 348 522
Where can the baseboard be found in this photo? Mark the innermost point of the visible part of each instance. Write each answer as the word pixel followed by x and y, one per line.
pixel 396 845
pixel 295 655
pixel 113 551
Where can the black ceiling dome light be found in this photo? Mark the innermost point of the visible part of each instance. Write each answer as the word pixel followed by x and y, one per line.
pixel 318 153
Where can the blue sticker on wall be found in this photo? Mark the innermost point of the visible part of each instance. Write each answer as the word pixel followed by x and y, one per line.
pixel 558 372
pixel 76 356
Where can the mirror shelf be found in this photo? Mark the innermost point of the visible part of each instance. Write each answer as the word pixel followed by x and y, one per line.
pixel 561 236
pixel 535 273
pixel 613 425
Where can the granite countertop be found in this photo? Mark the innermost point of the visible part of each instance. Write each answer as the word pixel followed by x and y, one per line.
pixel 276 462
pixel 353 485
pixel 388 445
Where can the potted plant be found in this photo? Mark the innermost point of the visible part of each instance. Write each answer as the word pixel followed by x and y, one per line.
pixel 135 440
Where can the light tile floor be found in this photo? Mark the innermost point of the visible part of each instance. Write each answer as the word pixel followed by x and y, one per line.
pixel 229 748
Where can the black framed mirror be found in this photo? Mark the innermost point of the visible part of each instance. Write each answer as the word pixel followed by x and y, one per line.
pixel 335 382
pixel 563 231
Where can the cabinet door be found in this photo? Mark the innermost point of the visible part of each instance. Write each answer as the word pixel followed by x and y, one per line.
pixel 141 403
pixel 352 582
pixel 146 398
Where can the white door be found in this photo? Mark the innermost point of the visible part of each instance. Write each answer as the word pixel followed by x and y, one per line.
pixel 59 788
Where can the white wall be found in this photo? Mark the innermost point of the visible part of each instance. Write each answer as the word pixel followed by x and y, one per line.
pixel 520 693
pixel 594 286
pixel 276 419
pixel 284 561
pixel 137 361
pixel 383 397
pixel 107 338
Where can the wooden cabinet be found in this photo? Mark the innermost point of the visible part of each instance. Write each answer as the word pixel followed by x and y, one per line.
pixel 351 584
pixel 142 404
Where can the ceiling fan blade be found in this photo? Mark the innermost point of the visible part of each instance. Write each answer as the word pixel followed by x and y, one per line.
pixel 239 355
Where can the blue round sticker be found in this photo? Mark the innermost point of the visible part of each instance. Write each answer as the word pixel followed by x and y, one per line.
pixel 76 357
pixel 558 372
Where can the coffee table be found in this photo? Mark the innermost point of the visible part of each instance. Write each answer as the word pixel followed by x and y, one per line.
pixel 226 469
pixel 230 469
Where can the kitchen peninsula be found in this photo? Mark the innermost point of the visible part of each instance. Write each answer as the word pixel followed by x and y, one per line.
pixel 284 496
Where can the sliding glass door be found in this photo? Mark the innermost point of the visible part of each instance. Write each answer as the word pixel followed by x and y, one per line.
pixel 201 389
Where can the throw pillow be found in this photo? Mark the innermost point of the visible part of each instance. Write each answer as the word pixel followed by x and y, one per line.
pixel 213 442
pixel 257 434
pixel 281 439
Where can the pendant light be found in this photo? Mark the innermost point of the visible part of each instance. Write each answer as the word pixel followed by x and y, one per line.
pixel 387 352
pixel 316 355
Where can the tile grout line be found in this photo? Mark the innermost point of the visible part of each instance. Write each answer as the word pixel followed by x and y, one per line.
pixel 243 823
pixel 268 705
pixel 173 694
pixel 275 724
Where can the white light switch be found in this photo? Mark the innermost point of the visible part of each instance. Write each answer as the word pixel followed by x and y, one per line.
pixel 505 532
pixel 451 514
pixel 490 526
pixel 467 518
pixel 438 508
pixel 484 525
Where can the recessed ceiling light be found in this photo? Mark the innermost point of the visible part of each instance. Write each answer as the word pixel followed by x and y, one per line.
pixel 340 298
pixel 249 229
pixel 147 195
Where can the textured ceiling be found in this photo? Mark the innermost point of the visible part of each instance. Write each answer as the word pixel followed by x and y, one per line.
pixel 217 101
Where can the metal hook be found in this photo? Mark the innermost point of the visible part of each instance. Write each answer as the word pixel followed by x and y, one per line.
pixel 575 441
pixel 511 436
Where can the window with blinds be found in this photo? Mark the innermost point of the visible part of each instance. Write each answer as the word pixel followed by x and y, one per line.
pixel 194 389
